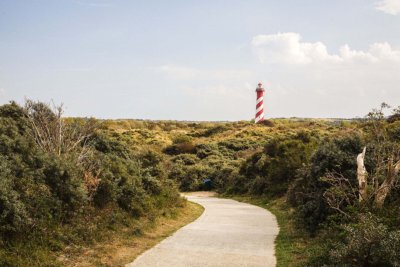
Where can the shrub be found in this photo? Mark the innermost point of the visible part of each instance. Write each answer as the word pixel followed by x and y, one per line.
pixel 306 192
pixel 205 150
pixel 393 130
pixel 191 177
pixel 181 143
pixel 107 190
pixel 133 198
pixel 271 171
pixel 66 184
pixel 237 144
pixel 13 214
pixel 185 159
pixel 368 243
pixel 212 131
pixel 267 123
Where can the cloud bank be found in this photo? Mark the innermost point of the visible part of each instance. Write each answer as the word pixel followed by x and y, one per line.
pixel 288 48
pixel 305 77
pixel 391 7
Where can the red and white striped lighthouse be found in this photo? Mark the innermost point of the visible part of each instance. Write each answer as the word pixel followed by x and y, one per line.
pixel 259 103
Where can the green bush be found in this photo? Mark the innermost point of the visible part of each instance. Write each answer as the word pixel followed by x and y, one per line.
pixel 107 190
pixel 272 170
pixel 394 130
pixel 66 184
pixel 237 144
pixel 41 189
pixel 179 148
pixel 208 149
pixel 306 192
pixel 13 214
pixel 368 243
pixel 190 177
pixel 212 131
pixel 185 159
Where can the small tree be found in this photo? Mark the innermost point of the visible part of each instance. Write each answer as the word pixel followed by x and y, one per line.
pixel 373 186
pixel 385 156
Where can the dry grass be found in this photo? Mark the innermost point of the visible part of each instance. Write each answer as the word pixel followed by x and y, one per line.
pixel 126 244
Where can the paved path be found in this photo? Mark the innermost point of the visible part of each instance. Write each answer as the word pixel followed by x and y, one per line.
pixel 228 233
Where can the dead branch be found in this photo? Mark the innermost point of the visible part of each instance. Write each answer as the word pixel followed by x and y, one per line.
pixel 362 176
pixel 387 185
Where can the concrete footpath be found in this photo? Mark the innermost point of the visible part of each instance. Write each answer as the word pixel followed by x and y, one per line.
pixel 228 233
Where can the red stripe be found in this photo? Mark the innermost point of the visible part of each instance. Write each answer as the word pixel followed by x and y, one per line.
pixel 260 94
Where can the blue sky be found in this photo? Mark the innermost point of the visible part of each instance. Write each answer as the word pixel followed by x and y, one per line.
pixel 201 60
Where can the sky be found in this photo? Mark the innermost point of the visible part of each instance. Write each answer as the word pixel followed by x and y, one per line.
pixel 201 60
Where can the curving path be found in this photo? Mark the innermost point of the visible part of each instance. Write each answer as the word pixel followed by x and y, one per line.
pixel 228 233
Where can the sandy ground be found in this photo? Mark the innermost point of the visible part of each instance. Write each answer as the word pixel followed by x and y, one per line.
pixel 228 233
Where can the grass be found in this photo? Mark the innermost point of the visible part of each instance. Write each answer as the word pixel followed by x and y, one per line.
pixel 126 243
pixel 107 238
pixel 291 244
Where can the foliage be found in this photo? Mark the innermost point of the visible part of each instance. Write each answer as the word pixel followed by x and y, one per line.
pixel 307 192
pixel 135 168
pixel 56 172
pixel 14 215
pixel 368 243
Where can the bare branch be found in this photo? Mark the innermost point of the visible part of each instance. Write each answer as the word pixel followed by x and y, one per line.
pixel 362 176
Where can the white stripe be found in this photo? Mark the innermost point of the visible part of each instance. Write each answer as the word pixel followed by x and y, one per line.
pixel 259 108
pixel 259 118
pixel 259 100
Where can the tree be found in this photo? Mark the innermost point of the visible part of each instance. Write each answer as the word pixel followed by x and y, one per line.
pixel 381 190
pixel 384 164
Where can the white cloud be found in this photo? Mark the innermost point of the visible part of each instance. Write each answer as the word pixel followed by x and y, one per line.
pixel 305 77
pixel 391 7
pixel 287 48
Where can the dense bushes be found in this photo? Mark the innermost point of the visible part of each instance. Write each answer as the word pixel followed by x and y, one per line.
pixel 181 144
pixel 56 172
pixel 136 167
pixel 306 193
pixel 269 172
pixel 213 163
pixel 307 167
pixel 131 179
pixel 367 243
pixel 306 163
pixel 14 214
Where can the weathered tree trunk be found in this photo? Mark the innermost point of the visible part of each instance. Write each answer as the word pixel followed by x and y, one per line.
pixel 386 186
pixel 362 176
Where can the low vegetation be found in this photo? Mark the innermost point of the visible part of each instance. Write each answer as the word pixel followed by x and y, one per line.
pixel 120 245
pixel 65 179
pixel 63 182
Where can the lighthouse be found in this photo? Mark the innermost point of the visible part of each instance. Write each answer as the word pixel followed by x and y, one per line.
pixel 259 103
